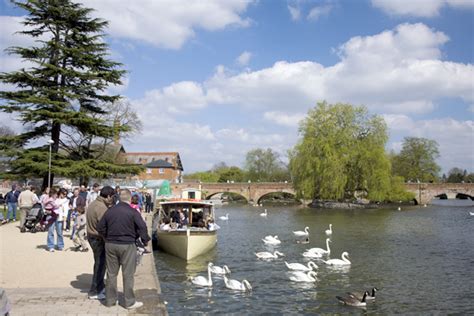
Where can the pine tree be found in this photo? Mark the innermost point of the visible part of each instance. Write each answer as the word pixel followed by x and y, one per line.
pixel 64 91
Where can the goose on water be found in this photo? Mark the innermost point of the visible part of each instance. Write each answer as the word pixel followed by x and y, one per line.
pixel 268 255
pixel 224 218
pixel 301 267
pixel 299 276
pixel 339 262
pixel 351 301
pixel 321 251
pixel 264 214
pixel 300 233
pixel 237 285
pixel 273 241
pixel 220 270
pixel 329 231
pixel 202 281
pixel 359 296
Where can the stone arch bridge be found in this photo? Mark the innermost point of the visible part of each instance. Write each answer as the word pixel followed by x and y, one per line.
pixel 253 192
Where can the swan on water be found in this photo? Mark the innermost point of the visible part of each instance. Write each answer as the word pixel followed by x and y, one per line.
pixel 302 233
pixel 264 214
pixel 301 267
pixel 202 281
pixel 313 255
pixel 329 231
pixel 471 213
pixel 273 241
pixel 224 218
pixel 268 255
pixel 399 208
pixel 351 301
pixel 359 295
pixel 269 237
pixel 237 285
pixel 321 251
pixel 339 262
pixel 220 270
pixel 299 276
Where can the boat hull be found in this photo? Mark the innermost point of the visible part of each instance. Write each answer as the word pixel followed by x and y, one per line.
pixel 186 244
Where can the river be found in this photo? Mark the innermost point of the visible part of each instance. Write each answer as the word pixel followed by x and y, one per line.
pixel 420 258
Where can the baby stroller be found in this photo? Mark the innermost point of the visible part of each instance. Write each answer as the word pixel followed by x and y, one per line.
pixel 33 218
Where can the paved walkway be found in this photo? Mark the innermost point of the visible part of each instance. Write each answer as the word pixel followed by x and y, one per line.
pixel 38 282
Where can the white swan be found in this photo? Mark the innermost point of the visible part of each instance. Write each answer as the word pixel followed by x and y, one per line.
pixel 312 255
pixel 300 233
pixel 321 251
pixel 329 231
pixel 202 281
pixel 269 237
pixel 224 218
pixel 299 276
pixel 274 241
pixel 399 208
pixel 237 285
pixel 301 267
pixel 264 214
pixel 471 213
pixel 220 270
pixel 268 255
pixel 339 262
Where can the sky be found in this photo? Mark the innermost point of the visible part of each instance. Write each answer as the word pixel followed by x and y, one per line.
pixel 214 79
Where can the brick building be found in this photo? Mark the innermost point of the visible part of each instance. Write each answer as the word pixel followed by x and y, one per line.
pixel 159 165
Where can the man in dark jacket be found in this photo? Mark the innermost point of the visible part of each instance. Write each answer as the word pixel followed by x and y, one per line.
pixel 121 226
pixel 11 199
pixel 94 214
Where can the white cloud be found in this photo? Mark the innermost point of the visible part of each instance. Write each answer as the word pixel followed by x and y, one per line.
pixel 318 11
pixel 244 58
pixel 295 12
pixel 420 8
pixel 168 23
pixel 283 118
pixel 455 138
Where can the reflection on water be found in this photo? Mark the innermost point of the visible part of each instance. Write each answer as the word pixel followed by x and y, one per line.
pixel 421 259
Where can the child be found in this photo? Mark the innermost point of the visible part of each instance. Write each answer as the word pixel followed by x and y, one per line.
pixel 80 229
pixel 135 203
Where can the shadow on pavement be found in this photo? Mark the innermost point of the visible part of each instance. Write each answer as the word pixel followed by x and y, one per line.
pixel 82 282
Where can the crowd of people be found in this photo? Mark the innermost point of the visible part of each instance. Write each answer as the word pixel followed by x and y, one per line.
pixel 107 220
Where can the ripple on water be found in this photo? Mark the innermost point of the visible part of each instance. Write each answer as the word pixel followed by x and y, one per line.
pixel 416 256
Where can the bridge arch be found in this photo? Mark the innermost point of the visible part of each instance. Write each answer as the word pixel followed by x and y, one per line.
pixel 208 196
pixel 258 199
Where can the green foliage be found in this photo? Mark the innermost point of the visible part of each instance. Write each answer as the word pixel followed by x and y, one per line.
pixel 398 191
pixel 63 93
pixel 416 160
pixel 341 151
pixel 457 175
pixel 231 174
pixel 219 173
pixel 264 165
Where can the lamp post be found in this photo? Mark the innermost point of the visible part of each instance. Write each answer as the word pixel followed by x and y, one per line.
pixel 50 142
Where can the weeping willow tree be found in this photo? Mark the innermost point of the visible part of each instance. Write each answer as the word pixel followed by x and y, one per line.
pixel 63 90
pixel 342 151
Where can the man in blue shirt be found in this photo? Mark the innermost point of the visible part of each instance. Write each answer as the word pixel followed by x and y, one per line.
pixel 12 201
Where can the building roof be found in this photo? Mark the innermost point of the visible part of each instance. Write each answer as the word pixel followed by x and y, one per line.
pixel 145 158
pixel 160 163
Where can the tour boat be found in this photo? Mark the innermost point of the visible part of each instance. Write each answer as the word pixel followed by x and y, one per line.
pixel 191 240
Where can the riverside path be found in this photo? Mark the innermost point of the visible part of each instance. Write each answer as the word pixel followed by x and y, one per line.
pixel 38 282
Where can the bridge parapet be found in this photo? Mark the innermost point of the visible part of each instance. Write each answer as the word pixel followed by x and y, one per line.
pixel 254 191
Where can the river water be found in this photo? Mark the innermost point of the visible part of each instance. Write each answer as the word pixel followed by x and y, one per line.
pixel 420 258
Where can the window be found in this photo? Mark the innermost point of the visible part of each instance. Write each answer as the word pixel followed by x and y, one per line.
pixel 161 170
pixel 148 171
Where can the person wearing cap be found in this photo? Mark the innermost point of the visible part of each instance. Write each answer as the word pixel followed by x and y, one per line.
pixel 95 212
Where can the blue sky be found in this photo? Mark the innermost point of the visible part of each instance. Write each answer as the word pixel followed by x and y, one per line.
pixel 214 79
